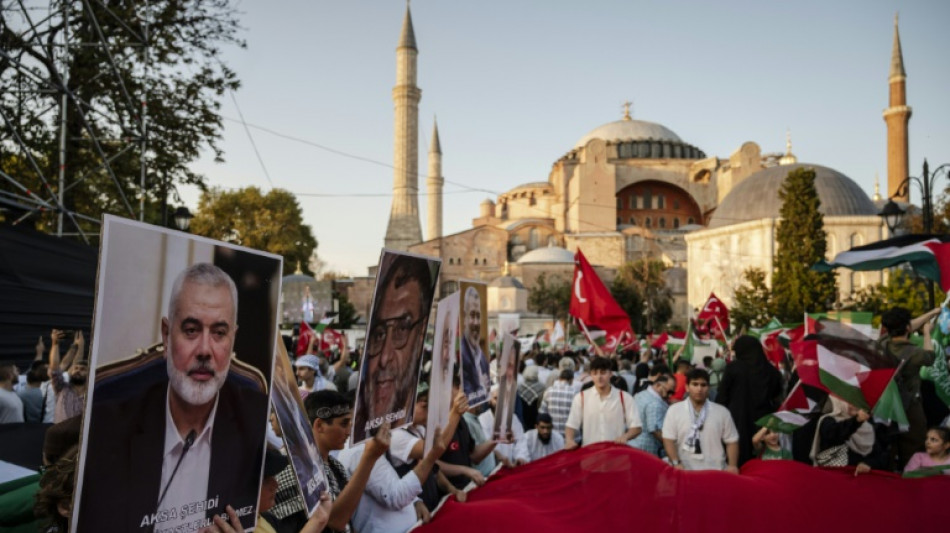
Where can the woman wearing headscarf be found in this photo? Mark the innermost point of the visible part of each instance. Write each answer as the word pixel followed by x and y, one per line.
pixel 750 388
pixel 846 437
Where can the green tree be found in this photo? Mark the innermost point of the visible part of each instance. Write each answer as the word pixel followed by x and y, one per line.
pixel 801 243
pixel 903 289
pixel 272 222
pixel 347 315
pixel 751 308
pixel 181 83
pixel 640 289
pixel 550 296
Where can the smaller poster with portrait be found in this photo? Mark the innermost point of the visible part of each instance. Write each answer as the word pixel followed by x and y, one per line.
pixel 473 347
pixel 392 353
pixel 444 354
pixel 296 431
pixel 507 388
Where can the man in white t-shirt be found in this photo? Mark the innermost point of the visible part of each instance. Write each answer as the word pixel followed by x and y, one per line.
pixel 602 412
pixel 699 434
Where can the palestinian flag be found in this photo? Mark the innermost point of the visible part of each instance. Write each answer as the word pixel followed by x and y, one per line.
pixel 929 255
pixel 773 325
pixel 858 320
pixel 794 412
pixel 303 339
pixel 695 348
pixel 855 371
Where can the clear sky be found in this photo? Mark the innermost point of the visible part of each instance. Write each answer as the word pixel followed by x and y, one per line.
pixel 516 83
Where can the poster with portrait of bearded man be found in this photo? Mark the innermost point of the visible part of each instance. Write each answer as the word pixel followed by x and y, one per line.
pixel 180 366
pixel 392 352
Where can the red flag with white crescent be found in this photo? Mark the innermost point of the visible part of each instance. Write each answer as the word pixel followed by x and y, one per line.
pixel 593 304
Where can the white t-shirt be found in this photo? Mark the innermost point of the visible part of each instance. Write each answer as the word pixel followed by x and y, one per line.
pixel 717 429
pixel 602 419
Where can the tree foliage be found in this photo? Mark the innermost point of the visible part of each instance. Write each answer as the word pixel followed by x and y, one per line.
pixel 640 289
pixel 751 308
pixel 801 243
pixel 347 315
pixel 272 222
pixel 181 83
pixel 550 296
pixel 902 289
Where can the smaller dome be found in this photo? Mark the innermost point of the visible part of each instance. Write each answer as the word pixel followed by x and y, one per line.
pixel 756 197
pixel 549 254
pixel 506 282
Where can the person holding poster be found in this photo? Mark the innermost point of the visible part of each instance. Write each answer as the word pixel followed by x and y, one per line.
pixel 443 365
pixel 476 376
pixel 394 341
pixel 175 435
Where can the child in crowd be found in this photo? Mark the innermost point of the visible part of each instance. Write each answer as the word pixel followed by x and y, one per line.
pixel 768 445
pixel 937 454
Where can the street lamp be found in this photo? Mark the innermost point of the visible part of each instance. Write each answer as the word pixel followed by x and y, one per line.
pixel 183 218
pixel 926 185
pixel 892 214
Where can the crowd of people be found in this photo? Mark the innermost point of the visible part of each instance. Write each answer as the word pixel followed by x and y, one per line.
pixel 697 415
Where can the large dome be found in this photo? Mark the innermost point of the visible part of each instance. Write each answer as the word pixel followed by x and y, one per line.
pixel 756 197
pixel 629 129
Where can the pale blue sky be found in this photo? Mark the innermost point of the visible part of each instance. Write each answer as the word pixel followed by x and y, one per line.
pixel 516 83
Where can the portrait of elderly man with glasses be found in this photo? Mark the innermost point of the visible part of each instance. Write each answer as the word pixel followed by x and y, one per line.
pixel 394 341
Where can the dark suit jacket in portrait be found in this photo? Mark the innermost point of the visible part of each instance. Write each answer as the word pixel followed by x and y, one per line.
pixel 125 447
pixel 470 383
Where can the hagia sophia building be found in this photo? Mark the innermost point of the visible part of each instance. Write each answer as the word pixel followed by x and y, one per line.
pixel 627 190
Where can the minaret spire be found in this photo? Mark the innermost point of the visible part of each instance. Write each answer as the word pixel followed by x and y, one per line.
pixel 434 186
pixel 896 116
pixel 404 228
pixel 897 57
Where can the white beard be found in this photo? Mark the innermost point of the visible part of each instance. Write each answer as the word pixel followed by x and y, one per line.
pixel 191 391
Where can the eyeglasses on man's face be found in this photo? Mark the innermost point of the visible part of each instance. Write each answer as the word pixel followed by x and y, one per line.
pixel 399 328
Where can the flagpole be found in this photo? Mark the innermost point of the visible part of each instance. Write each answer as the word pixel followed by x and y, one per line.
pixel 589 340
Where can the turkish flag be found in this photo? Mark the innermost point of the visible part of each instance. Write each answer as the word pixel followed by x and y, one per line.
pixel 714 309
pixel 774 350
pixel 303 339
pixel 592 304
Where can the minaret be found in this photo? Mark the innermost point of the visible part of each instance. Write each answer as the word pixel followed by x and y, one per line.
pixel 896 116
pixel 434 186
pixel 404 228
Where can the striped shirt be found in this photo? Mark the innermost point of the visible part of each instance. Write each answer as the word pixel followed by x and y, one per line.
pixel 557 403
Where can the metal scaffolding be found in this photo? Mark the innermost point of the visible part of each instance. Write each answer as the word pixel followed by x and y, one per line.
pixel 37 97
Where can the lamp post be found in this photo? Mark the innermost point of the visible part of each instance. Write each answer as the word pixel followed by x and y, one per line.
pixel 183 218
pixel 891 213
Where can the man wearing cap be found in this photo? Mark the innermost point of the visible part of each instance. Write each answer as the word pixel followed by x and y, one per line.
pixel 331 417
pixel 308 372
pixel 190 444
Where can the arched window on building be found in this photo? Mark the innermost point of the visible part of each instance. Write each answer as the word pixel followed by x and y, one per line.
pixel 633 221
pixel 662 222
pixel 690 220
pixel 484 261
pixel 660 201
pixel 451 261
pixel 648 222
pixel 676 223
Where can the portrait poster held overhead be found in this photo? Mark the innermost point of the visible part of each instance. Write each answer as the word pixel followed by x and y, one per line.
pixel 507 388
pixel 444 353
pixel 181 359
pixel 473 325
pixel 392 353
pixel 296 431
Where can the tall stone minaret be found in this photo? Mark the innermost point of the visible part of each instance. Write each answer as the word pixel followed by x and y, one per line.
pixel 404 228
pixel 897 116
pixel 434 186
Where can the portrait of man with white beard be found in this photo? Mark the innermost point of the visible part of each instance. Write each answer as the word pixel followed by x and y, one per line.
pixel 176 434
